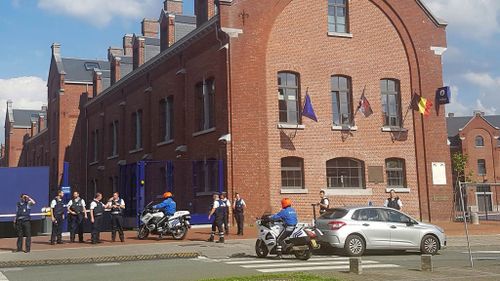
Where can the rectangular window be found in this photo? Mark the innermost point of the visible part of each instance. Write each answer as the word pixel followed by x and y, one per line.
pixel 338 16
pixel 167 119
pixel 481 167
pixel 345 173
pixel 113 132
pixel 137 130
pixel 288 98
pixel 95 142
pixel 341 100
pixel 207 175
pixel 391 102
pixel 292 173
pixel 205 104
pixel 396 174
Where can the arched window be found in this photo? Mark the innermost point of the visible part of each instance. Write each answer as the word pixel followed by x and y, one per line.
pixel 479 141
pixel 292 173
pixel 391 102
pixel 288 97
pixel 341 100
pixel 345 173
pixel 396 172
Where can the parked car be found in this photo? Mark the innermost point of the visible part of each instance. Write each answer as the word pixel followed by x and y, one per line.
pixel 378 228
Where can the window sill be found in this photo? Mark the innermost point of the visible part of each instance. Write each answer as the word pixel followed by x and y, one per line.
pixel 340 34
pixel 205 193
pixel 93 163
pixel 165 143
pixel 398 189
pixel 393 129
pixel 135 150
pixel 113 157
pixel 204 132
pixel 349 191
pixel 291 126
pixel 344 128
pixel 294 191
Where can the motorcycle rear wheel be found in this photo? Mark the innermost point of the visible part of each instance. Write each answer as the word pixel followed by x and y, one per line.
pixel 143 232
pixel 261 249
pixel 180 234
pixel 303 255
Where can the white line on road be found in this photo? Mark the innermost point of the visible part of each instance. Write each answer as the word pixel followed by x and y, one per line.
pixel 13 269
pixel 483 252
pixel 285 260
pixel 107 264
pixel 302 264
pixel 2 277
pixel 340 267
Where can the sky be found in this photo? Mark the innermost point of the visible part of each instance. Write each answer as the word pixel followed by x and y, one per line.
pixel 86 28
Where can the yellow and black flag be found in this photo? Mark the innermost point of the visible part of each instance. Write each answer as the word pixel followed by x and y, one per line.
pixel 421 104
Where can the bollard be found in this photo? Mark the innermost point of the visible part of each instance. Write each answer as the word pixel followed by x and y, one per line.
pixel 474 218
pixel 355 265
pixel 426 263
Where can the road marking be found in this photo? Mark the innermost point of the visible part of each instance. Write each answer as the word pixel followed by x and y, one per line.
pixel 285 260
pixel 107 264
pixel 13 269
pixel 339 267
pixel 308 264
pixel 483 252
pixel 2 277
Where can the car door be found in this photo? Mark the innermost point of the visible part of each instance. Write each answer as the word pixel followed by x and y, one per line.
pixel 404 231
pixel 373 227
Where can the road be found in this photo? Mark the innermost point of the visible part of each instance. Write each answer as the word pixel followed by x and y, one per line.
pixel 451 264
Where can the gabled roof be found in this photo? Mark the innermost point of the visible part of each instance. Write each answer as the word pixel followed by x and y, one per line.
pixel 455 124
pixel 81 70
pixel 24 117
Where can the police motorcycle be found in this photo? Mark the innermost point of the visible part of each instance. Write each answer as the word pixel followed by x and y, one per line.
pixel 176 225
pixel 300 243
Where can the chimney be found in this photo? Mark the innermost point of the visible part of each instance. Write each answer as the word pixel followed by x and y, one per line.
pixel 41 122
pixel 173 6
pixel 478 113
pixel 114 52
pixel 9 105
pixel 97 84
pixel 115 69
pixel 33 129
pixel 205 10
pixel 127 45
pixel 167 31
pixel 149 28
pixel 138 51
pixel 451 114
pixel 56 49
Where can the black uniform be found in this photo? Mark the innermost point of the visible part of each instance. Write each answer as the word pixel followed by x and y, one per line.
pixel 117 220
pixel 227 205
pixel 97 224
pixel 324 201
pixel 220 213
pixel 23 225
pixel 58 211
pixel 238 215
pixel 393 203
pixel 76 220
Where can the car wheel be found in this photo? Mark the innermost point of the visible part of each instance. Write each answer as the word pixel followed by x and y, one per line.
pixel 430 245
pixel 354 245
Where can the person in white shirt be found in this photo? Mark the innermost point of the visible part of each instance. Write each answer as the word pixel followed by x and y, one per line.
pixel 393 201
pixel 238 210
pixel 227 205
pixel 117 205
pixel 324 203
pixel 96 215
pixel 77 212
pixel 57 216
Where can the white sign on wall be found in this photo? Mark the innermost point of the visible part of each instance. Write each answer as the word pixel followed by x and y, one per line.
pixel 438 173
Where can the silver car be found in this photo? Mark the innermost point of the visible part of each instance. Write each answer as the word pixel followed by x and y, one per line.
pixel 378 228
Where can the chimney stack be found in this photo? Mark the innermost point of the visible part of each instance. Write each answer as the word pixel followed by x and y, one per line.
pixel 56 49
pixel 478 113
pixel 149 28
pixel 97 84
pixel 173 6
pixel 9 105
pixel 451 114
pixel 115 69
pixel 138 52
pixel 127 45
pixel 167 31
pixel 114 52
pixel 204 10
pixel 33 129
pixel 41 122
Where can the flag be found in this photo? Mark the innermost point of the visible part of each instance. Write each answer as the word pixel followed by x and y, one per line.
pixel 421 104
pixel 308 109
pixel 443 95
pixel 364 106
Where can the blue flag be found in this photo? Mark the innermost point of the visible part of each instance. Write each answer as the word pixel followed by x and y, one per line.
pixel 443 95
pixel 308 109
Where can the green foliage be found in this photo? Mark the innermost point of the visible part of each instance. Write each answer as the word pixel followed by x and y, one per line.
pixel 459 162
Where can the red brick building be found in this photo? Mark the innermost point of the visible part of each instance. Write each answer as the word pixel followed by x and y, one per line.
pixel 477 137
pixel 222 105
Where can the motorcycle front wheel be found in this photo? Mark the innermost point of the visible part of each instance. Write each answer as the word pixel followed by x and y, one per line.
pixel 180 233
pixel 143 232
pixel 303 255
pixel 261 249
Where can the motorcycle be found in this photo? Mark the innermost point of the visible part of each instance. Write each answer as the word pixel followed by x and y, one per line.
pixel 154 222
pixel 300 243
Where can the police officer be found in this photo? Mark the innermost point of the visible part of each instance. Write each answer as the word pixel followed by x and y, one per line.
pixel 77 212
pixel 238 209
pixel 96 215
pixel 393 201
pixel 218 211
pixel 117 206
pixel 22 222
pixel 324 203
pixel 227 205
pixel 289 217
pixel 57 216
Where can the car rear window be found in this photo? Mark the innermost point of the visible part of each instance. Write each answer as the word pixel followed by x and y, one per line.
pixel 334 214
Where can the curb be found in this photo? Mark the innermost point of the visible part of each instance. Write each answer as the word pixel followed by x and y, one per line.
pixel 105 259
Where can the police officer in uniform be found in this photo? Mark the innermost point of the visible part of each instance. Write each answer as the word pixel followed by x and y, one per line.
pixel 57 216
pixel 227 205
pixel 22 222
pixel 117 205
pixel 238 208
pixel 324 203
pixel 96 215
pixel 77 212
pixel 393 201
pixel 288 216
pixel 218 211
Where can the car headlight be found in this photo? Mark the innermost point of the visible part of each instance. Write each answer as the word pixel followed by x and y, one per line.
pixel 440 229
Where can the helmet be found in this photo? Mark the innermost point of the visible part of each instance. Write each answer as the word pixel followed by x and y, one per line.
pixel 286 202
pixel 167 195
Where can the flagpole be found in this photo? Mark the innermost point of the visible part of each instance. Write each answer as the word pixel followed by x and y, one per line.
pixel 359 105
pixel 406 113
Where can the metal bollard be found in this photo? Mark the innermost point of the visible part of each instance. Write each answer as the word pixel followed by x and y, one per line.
pixel 426 263
pixel 474 218
pixel 355 265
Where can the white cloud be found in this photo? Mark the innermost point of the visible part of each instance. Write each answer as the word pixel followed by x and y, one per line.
pixel 471 18
pixel 99 12
pixel 483 80
pixel 487 110
pixel 456 106
pixel 25 92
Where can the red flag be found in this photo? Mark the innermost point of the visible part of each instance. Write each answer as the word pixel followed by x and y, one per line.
pixel 364 106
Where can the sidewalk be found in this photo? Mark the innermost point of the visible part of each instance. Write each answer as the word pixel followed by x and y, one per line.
pixel 458 229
